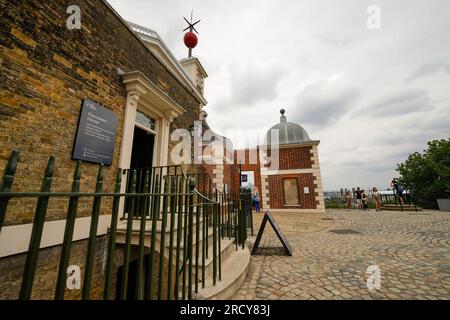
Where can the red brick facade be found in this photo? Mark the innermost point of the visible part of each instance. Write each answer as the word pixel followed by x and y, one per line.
pixel 307 201
pixel 295 158
pixel 228 176
pixel 46 71
pixel 246 166
pixel 289 159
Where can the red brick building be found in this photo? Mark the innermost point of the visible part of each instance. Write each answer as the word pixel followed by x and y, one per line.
pixel 286 169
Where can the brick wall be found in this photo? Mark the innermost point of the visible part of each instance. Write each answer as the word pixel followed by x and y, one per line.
pixel 276 187
pixel 295 158
pixel 228 176
pixel 46 70
pixel 11 271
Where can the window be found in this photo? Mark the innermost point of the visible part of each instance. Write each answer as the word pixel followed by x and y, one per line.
pixel 290 192
pixel 145 121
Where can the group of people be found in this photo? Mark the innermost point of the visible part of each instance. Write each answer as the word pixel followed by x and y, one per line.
pixel 362 200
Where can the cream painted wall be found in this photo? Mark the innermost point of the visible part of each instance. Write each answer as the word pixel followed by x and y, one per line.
pixel 15 239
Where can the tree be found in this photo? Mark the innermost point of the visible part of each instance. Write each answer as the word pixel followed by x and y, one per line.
pixel 427 175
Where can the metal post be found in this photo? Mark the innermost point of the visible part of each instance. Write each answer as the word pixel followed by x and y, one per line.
pixel 36 234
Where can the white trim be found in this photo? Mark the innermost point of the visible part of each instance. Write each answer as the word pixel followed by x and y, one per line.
pixel 144 95
pixel 137 81
pixel 318 210
pixel 184 80
pixel 15 239
pixel 165 56
pixel 140 126
pixel 197 62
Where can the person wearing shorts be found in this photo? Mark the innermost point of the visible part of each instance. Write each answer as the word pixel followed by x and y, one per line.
pixel 364 200
pixel 376 198
pixel 348 200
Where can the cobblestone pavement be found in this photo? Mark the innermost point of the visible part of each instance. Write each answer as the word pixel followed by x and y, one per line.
pixel 411 249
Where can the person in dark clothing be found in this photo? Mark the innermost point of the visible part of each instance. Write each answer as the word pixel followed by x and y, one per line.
pixel 364 200
pixel 398 191
pixel 358 198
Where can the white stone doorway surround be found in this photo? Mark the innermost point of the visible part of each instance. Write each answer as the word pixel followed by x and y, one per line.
pixel 145 97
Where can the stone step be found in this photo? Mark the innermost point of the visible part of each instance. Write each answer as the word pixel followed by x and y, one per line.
pixel 122 224
pixel 148 232
pixel 210 235
pixel 226 247
pixel 234 271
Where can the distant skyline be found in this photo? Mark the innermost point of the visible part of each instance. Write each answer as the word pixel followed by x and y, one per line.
pixel 371 96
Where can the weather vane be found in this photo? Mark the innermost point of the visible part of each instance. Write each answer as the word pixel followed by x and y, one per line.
pixel 190 39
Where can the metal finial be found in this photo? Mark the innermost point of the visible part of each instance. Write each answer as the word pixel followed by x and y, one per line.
pixel 282 118
pixel 191 25
pixel 191 41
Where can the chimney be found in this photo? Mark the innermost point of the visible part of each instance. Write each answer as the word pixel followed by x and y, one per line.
pixel 195 71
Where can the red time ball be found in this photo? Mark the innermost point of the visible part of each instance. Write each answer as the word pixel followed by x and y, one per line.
pixel 190 40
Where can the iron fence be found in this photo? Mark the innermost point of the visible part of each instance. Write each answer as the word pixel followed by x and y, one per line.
pixel 179 214
pixel 335 199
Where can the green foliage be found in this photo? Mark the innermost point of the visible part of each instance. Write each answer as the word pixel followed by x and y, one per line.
pixel 427 175
pixel 333 205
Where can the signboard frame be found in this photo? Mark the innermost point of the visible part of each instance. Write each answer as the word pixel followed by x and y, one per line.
pixel 86 143
pixel 276 228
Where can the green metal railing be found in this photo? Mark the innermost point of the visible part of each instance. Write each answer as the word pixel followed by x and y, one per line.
pixel 393 199
pixel 179 217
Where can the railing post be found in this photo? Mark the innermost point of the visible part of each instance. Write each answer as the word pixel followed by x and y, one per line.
pixel 214 253
pixel 154 218
pixel 36 234
pixel 173 204
pixel 250 212
pixel 163 237
pixel 197 241
pixel 219 238
pixel 68 234
pixel 243 216
pixel 142 210
pixel 112 238
pixel 204 236
pixel 236 213
pixel 185 240
pixel 179 237
pixel 128 232
pixel 8 178
pixel 92 236
pixel 191 235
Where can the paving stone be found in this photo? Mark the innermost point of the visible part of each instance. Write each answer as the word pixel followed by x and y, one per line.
pixel 411 251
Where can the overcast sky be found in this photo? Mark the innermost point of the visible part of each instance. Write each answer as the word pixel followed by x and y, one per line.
pixel 371 96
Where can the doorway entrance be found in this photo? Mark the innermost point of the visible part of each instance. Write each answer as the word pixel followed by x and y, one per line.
pixel 248 180
pixel 132 279
pixel 142 151
pixel 142 161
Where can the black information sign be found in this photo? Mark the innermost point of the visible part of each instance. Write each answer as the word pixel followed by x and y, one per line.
pixel 276 228
pixel 96 134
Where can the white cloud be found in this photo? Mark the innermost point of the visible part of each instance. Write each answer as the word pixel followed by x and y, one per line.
pixel 370 96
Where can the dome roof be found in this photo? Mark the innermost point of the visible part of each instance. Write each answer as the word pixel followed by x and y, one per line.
pixel 289 133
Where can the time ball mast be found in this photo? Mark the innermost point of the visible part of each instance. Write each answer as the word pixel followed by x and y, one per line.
pixel 190 38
